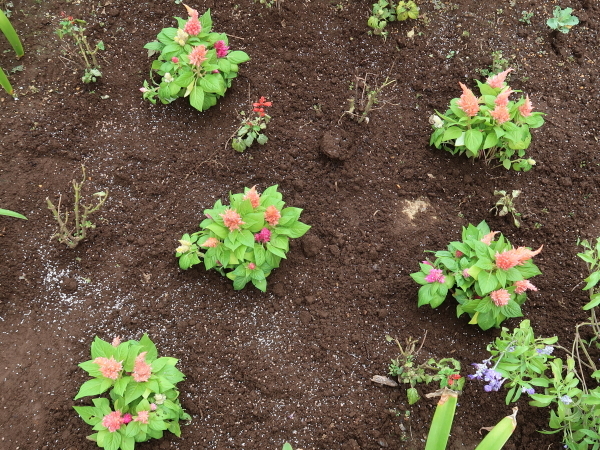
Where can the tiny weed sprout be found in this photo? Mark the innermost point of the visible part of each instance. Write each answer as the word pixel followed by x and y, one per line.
pixel 526 17
pixel 287 446
pixel 72 235
pixel 142 389
pixel 13 38
pixel 562 20
pixel 365 98
pixel 488 278
pixel 9 213
pixel 74 30
pixel 506 204
pixel 193 62
pixel 252 127
pixel 385 11
pixel 489 127
pixel 246 240
pixel 499 64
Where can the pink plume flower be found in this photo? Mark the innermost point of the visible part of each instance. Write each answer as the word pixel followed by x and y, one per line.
pixel 515 257
pixel 501 297
pixel 502 98
pixel 458 253
pixel 141 369
pixel 468 102
pixel 112 421
pixel 142 417
pixel 110 368
pixel 116 341
pixel 272 215
pixel 127 418
pixel 435 276
pixel 198 55
pixel 465 273
pixel 497 81
pixel 192 26
pixel 153 407
pixel 251 266
pixel 221 48
pixel 427 262
pixel 264 236
pixel 526 108
pixel 524 285
pixel 232 220
pixel 253 196
pixel 488 238
pixel 211 242
pixel 501 114
pixel 175 59
pixel 143 89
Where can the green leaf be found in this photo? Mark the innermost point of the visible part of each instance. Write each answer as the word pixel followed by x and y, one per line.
pixel 512 309
pixel 412 395
pixel 197 98
pixel 213 83
pixel 134 391
pixel 276 251
pixel 237 57
pixel 451 134
pixel 487 282
pixel 11 35
pixel 297 230
pixel 473 140
pixel 490 141
pixel 7 212
pixel 592 280
pixel 206 21
pixel 95 386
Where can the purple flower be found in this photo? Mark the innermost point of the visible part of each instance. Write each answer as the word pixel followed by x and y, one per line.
pixel 435 276
pixel 547 350
pixel 264 236
pixel 221 48
pixel 494 380
pixel 481 369
pixel 566 399
pixel 529 391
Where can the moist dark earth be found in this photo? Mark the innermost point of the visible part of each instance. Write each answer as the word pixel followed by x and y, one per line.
pixel 293 364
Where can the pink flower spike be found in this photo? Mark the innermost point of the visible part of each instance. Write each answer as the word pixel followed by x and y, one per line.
pixel 142 417
pixel 502 98
pixel 211 242
pixel 110 368
pixel 272 215
pixel 251 266
pixel 253 196
pixel 192 26
pixel 112 421
pixel 468 102
pixel 435 276
pixel 515 257
pixel 488 238
pixel 221 48
pixel 264 236
pixel 526 108
pixel 175 59
pixel 465 273
pixel 458 254
pixel 116 341
pixel 141 369
pixel 153 406
pixel 127 418
pixel 497 81
pixel 524 285
pixel 501 297
pixel 232 220
pixel 143 89
pixel 427 262
pixel 198 55
pixel 501 114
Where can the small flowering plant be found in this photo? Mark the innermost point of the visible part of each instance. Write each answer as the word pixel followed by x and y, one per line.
pixel 142 390
pixel 446 371
pixel 193 62
pixel 488 277
pixel 490 126
pixel 252 126
pixel 246 240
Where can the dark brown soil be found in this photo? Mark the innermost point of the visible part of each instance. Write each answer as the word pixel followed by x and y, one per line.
pixel 293 364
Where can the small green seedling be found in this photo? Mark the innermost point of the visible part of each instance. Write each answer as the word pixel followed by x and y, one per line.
pixel 407 10
pixel 506 204
pixel 9 213
pixel 526 17
pixel 287 446
pixel 562 20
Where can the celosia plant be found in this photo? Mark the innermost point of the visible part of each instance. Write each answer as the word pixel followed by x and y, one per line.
pixel 193 62
pixel 246 240
pixel 490 126
pixel 142 390
pixel 252 126
pixel 489 278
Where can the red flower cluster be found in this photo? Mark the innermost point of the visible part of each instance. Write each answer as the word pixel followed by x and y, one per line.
pixel 452 378
pixel 69 18
pixel 259 107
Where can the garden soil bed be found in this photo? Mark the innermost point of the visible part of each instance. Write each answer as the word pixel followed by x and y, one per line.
pixel 293 364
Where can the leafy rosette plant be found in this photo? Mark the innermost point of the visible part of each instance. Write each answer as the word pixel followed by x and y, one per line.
pixel 489 278
pixel 246 240
pixel 142 389
pixel 488 127
pixel 193 62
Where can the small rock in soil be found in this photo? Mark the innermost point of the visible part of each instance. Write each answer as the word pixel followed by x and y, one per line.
pixel 278 290
pixel 311 245
pixel 69 284
pixel 305 317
